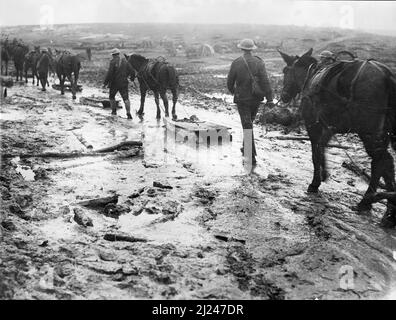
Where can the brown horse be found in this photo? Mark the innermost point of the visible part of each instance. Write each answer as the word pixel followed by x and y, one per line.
pixel 67 65
pixel 19 52
pixel 357 96
pixel 30 62
pixel 5 58
pixel 44 64
pixel 158 76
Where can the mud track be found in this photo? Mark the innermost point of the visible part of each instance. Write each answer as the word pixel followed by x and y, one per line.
pixel 205 228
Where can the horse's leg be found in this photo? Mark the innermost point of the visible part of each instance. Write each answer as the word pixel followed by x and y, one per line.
pixel 315 135
pixel 376 148
pixel 72 85
pixel 389 218
pixel 166 102
pixel 327 134
pixel 157 102
pixel 143 92
pixel 62 83
pixel 174 99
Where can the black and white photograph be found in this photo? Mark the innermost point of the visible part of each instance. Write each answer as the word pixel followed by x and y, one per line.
pixel 197 150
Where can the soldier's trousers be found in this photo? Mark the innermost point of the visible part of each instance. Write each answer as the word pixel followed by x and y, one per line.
pixel 247 112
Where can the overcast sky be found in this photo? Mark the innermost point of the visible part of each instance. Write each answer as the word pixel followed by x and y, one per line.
pixel 367 15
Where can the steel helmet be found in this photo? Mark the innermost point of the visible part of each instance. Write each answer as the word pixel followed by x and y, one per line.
pixel 326 54
pixel 247 44
pixel 115 51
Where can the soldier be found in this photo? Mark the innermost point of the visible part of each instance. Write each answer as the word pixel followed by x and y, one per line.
pixel 117 81
pixel 240 84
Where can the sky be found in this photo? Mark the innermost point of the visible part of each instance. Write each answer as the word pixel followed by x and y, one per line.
pixel 365 15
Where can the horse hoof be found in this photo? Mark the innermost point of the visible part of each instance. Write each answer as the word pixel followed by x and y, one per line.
pixel 62 93
pixel 74 98
pixel 388 221
pixel 158 117
pixel 312 189
pixel 174 117
pixel 362 208
pixel 166 115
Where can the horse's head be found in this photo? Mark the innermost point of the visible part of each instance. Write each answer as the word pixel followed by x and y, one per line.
pixel 295 74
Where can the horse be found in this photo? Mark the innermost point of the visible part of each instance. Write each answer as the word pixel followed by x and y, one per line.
pixel 357 96
pixel 67 65
pixel 30 62
pixel 44 64
pixel 19 52
pixel 5 57
pixel 158 76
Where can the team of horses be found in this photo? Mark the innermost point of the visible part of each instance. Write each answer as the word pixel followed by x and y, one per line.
pixel 357 96
pixel 41 62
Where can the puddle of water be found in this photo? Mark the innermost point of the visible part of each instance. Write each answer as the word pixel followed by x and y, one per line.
pixel 14 116
pixel 25 171
pixel 220 76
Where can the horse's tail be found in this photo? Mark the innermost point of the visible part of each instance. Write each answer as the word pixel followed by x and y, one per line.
pixel 173 78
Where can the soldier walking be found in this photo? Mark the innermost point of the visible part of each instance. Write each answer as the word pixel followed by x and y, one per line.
pixel 243 72
pixel 117 80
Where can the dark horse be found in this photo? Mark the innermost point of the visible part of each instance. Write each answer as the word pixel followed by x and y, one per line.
pixel 30 62
pixel 158 76
pixel 67 65
pixel 356 96
pixel 44 64
pixel 19 52
pixel 5 58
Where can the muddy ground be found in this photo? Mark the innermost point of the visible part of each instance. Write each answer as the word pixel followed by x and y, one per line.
pixel 216 232
pixel 203 225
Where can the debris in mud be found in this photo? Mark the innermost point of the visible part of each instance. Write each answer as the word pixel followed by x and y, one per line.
pixel 172 207
pixel 8 225
pixel 99 203
pixel 121 146
pixel 136 194
pixel 5 193
pixel 40 173
pixel 16 209
pixel 94 101
pixel 192 119
pixel 107 256
pixel 162 185
pixel 140 209
pixel 121 237
pixel 228 239
pixel 153 208
pixel 150 165
pixel 206 196
pixel 151 192
pixel 115 211
pixel 23 200
pixel 81 218
pixel 67 87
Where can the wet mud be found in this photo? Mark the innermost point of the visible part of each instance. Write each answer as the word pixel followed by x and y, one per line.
pixel 188 223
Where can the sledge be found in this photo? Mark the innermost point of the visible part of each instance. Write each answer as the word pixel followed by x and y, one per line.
pixel 100 102
pixel 203 132
pixel 67 87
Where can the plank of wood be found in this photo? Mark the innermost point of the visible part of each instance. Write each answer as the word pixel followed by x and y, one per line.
pixel 120 237
pixel 99 202
pixel 131 143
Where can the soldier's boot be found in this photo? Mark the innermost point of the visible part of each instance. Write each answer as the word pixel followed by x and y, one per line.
pixel 128 108
pixel 113 106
